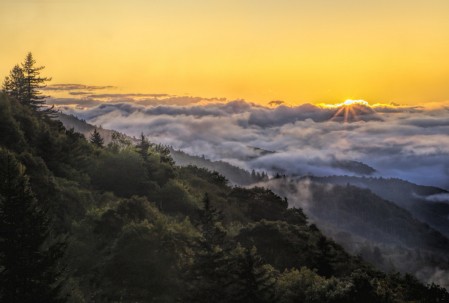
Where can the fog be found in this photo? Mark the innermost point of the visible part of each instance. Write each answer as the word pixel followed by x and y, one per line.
pixel 407 142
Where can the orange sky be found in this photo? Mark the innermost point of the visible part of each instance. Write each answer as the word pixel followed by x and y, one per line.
pixel 297 51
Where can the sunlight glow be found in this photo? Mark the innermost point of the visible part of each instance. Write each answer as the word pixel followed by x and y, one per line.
pixel 348 102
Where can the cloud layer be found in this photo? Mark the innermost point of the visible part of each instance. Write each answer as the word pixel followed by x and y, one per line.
pixel 410 143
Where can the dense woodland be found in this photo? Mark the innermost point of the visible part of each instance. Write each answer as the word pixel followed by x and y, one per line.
pixel 82 221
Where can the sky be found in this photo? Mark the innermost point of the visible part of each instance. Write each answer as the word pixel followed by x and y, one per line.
pixel 296 51
pixel 200 76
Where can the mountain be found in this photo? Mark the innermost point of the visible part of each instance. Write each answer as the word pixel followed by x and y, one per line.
pixel 81 126
pixel 234 174
pixel 364 222
pixel 413 197
pixel 142 229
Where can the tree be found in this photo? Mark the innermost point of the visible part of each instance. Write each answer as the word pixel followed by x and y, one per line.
pixel 210 272
pixel 143 146
pixel 28 261
pixel 256 279
pixel 14 84
pixel 32 83
pixel 95 138
pixel 24 83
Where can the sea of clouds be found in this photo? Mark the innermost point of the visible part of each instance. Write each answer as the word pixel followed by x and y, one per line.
pixel 407 142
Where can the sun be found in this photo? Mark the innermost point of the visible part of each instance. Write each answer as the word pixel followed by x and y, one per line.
pixel 348 102
pixel 349 110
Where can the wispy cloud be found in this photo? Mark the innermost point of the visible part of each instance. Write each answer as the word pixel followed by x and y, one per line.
pixel 70 87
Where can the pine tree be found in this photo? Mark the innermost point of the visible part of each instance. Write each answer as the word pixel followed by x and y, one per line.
pixel 143 146
pixel 14 84
pixel 24 83
pixel 210 272
pixel 28 261
pixel 32 83
pixel 255 279
pixel 95 138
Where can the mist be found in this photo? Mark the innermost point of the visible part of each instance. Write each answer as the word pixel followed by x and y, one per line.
pixel 404 142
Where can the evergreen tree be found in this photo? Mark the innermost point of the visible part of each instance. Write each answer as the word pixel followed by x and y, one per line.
pixel 95 138
pixel 24 83
pixel 210 272
pixel 255 279
pixel 14 84
pixel 28 262
pixel 32 83
pixel 143 146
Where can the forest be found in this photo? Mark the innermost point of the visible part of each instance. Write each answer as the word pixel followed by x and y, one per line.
pixel 85 221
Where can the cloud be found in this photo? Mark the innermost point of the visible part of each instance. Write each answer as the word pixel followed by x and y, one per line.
pixel 438 198
pixel 85 102
pixel 114 96
pixel 69 87
pixel 408 143
pixel 79 93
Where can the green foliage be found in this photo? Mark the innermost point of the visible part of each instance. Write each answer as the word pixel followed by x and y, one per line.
pixel 174 198
pixel 11 136
pixel 144 263
pixel 123 174
pixel 96 139
pixel 119 141
pixel 28 261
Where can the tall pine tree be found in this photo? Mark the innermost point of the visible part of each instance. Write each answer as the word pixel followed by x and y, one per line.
pixel 29 269
pixel 24 84
pixel 33 83
pixel 143 146
pixel 95 138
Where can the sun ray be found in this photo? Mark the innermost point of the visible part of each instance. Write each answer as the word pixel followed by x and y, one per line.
pixel 337 113
pixel 354 114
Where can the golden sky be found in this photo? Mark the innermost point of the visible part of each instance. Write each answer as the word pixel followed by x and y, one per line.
pixel 293 50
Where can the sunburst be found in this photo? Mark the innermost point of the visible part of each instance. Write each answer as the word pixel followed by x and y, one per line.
pixel 349 109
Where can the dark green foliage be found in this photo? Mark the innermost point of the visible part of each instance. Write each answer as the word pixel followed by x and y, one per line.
pixel 28 261
pixel 96 139
pixel 164 153
pixel 261 203
pixel 254 279
pixel 11 136
pixel 14 84
pixel 210 272
pixel 143 146
pixel 123 173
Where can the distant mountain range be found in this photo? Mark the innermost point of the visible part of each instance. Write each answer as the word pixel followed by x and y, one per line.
pixel 413 197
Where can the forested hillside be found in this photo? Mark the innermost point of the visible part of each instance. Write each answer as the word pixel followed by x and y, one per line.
pixel 415 198
pixel 387 235
pixel 123 223
pixel 141 229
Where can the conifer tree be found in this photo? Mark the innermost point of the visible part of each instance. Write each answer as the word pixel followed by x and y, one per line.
pixel 95 138
pixel 143 146
pixel 14 84
pixel 28 262
pixel 24 83
pixel 32 83
pixel 210 272
pixel 254 279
